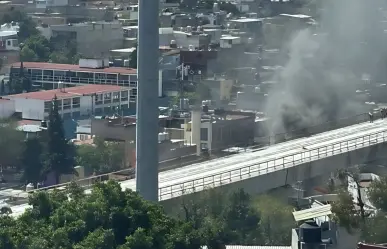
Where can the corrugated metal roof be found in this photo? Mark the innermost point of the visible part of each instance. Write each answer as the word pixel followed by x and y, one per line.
pixel 253 247
pixel 313 212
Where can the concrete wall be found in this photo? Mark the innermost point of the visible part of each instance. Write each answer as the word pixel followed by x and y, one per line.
pixel 175 133
pixel 229 133
pixel 7 108
pixel 168 150
pixel 109 36
pixel 311 173
pixel 30 108
pixel 102 128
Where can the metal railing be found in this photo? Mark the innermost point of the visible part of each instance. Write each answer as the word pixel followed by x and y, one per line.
pixel 258 168
pixel 78 80
pixel 316 129
pixel 88 182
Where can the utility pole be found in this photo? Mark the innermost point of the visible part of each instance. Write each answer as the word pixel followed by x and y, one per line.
pixel 147 95
pixel 183 72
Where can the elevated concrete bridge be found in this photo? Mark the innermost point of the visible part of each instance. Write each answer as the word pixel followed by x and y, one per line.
pixel 278 165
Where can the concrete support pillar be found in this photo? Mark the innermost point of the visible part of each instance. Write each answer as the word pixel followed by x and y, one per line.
pixel 160 83
pixel 196 119
pixel 272 139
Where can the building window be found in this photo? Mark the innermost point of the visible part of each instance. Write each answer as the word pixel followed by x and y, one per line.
pixel 124 95
pixel 76 102
pixel 47 106
pixel 83 137
pixel 107 110
pixel 98 111
pixel 116 97
pixel 107 97
pixel 66 104
pixel 98 99
pixel 204 134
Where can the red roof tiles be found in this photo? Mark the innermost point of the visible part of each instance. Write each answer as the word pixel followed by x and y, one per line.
pixel 74 68
pixel 68 92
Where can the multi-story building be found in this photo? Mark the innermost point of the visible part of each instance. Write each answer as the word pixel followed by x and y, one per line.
pixel 50 75
pixel 92 39
pixel 220 129
pixel 73 102
pixel 9 45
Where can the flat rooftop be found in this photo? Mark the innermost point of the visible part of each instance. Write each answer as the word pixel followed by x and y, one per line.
pixel 74 68
pixel 68 92
pixel 244 20
pixel 301 16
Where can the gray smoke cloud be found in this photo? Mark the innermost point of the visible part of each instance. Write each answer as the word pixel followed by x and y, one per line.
pixel 325 65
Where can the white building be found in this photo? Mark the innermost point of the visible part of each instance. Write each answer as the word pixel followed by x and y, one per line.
pixel 73 102
pixel 89 71
pixel 7 108
pixel 8 36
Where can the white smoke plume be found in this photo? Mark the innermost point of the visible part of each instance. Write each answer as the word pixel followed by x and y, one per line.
pixel 325 64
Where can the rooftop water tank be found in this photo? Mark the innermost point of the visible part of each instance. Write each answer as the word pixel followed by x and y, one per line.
pixel 43 124
pixel 173 44
pixel 310 232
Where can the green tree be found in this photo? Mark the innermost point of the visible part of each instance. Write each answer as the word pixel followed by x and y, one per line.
pixel 2 87
pixel 64 50
pixel 27 27
pixel 347 212
pixel 27 54
pixel 58 57
pixel 36 48
pixel 20 83
pixel 223 218
pixel 60 154
pixel 101 157
pixel 138 240
pixel 106 218
pixel 377 193
pixel 276 220
pixel 11 143
pixel 31 161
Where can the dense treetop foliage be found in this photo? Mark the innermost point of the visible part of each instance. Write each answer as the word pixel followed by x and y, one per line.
pixel 111 218
pixel 356 215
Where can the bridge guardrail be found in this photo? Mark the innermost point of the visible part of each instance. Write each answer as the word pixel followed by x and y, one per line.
pixel 254 169
pixel 89 181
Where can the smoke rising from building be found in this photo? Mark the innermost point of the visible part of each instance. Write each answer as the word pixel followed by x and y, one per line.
pixel 325 65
